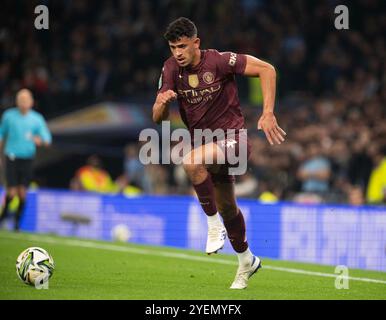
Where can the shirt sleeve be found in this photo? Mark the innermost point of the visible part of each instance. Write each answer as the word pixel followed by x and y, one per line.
pixel 3 127
pixel 166 80
pixel 43 131
pixel 232 63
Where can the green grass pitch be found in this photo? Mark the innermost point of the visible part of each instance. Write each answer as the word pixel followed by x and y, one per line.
pixel 107 270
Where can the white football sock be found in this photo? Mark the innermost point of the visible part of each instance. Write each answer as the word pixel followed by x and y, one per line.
pixel 214 220
pixel 245 258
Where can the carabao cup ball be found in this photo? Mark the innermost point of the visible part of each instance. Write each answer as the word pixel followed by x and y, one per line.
pixel 34 266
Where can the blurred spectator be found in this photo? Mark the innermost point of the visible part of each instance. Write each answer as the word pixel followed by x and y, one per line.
pixel 92 177
pixel 135 172
pixel 315 171
pixel 360 163
pixel 246 185
pixel 158 178
pixel 269 192
pixel 182 182
pixel 376 191
pixel 125 188
pixel 355 196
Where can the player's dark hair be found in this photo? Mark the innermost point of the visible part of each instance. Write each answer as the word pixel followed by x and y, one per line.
pixel 182 27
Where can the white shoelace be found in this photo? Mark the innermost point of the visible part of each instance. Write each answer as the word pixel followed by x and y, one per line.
pixel 216 233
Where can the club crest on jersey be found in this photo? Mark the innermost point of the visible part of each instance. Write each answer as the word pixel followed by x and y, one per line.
pixel 208 77
pixel 193 80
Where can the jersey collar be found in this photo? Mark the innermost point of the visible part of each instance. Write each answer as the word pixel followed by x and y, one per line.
pixel 196 67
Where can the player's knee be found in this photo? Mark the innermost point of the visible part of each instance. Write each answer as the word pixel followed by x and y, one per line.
pixel 196 173
pixel 192 168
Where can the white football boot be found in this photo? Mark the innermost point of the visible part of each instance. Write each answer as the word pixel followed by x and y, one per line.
pixel 245 272
pixel 216 235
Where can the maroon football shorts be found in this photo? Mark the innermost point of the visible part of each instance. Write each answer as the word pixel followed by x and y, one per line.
pixel 236 148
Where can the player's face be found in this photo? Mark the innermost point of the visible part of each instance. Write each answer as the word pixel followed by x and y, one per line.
pixel 24 100
pixel 185 50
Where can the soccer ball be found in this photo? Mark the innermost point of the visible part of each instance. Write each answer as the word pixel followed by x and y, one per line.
pixel 121 233
pixel 34 266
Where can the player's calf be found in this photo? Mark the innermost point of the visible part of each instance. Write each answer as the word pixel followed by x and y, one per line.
pixel 205 194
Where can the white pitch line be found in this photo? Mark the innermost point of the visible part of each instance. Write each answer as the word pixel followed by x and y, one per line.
pixel 112 247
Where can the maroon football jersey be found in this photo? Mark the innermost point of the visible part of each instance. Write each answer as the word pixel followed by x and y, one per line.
pixel 207 93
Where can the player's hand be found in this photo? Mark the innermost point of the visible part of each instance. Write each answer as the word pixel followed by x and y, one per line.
pixel 166 97
pixel 37 140
pixel 273 132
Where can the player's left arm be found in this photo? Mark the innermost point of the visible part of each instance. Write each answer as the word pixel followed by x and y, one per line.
pixel 3 132
pixel 1 143
pixel 258 68
pixel 43 137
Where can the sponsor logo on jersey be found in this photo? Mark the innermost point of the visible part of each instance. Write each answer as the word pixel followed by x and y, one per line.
pixel 196 93
pixel 195 96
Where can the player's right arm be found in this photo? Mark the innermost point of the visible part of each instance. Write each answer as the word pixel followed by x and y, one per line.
pixel 258 68
pixel 161 105
pixel 166 93
pixel 250 66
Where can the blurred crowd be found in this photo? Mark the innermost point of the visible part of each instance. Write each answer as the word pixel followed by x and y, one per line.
pixel 331 83
pixel 102 49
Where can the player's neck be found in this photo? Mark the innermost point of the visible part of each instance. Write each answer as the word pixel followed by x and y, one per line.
pixel 23 112
pixel 196 59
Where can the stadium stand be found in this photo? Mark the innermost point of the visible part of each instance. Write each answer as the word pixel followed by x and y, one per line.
pixel 332 85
